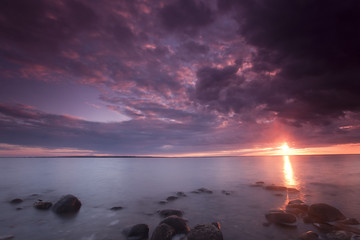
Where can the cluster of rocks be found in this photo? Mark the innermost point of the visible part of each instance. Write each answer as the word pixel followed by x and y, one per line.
pixel 66 204
pixel 174 225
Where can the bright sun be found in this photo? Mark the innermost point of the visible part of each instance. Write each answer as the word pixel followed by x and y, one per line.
pixel 285 148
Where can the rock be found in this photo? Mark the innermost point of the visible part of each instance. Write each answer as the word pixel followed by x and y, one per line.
pixel 260 183
pixel 350 221
pixel 42 205
pixel 163 232
pixel 225 192
pixel 137 232
pixel 179 224
pixel 325 212
pixel 301 206
pixel 295 201
pixel 7 237
pixel 195 191
pixel 310 235
pixel 116 208
pixel 171 198
pixel 324 227
pixel 292 190
pixel 18 208
pixel 275 188
pixel 16 201
pixel 204 190
pixel 205 232
pixel 281 218
pixel 67 204
pixel 217 225
pixel 347 228
pixel 170 212
pixel 339 235
pixel 181 194
pixel 163 202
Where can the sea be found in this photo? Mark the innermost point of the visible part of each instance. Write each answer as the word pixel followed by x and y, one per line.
pixel 139 184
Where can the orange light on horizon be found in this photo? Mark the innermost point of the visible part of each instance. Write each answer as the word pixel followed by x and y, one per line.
pixel 285 149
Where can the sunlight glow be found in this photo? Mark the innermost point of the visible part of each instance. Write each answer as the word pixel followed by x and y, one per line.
pixel 285 149
pixel 288 172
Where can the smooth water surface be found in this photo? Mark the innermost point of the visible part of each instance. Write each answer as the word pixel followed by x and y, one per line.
pixel 138 184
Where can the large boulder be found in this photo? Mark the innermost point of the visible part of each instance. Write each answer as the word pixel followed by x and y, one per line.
pixel 67 204
pixel 170 212
pixel 163 232
pixel 177 223
pixel 205 232
pixel 281 218
pixel 325 213
pixel 137 232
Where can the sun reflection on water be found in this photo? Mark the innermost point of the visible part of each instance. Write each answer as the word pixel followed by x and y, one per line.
pixel 288 173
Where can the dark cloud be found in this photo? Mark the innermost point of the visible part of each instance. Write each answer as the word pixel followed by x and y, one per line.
pixel 188 15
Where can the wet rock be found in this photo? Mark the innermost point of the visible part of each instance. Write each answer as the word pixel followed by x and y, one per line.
pixel 171 198
pixel 204 190
pixel 217 225
pixel 324 227
pixel 170 212
pixel 179 224
pixel 7 237
pixel 163 232
pixel 205 232
pixel 67 204
pixel 300 206
pixel 281 218
pixel 325 212
pixel 260 183
pixel 350 221
pixel 181 194
pixel 347 228
pixel 42 205
pixel 225 192
pixel 163 202
pixel 275 188
pixel 339 235
pixel 310 235
pixel 292 190
pixel 195 191
pixel 16 201
pixel 295 201
pixel 137 232
pixel 116 208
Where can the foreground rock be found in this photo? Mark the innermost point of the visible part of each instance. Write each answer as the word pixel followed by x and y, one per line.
pixel 16 201
pixel 42 205
pixel 177 223
pixel 170 212
pixel 137 232
pixel 205 232
pixel 325 213
pixel 67 204
pixel 339 235
pixel 163 232
pixel 281 218
pixel 310 235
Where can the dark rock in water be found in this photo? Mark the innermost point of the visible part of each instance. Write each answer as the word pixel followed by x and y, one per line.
pixel 350 221
pixel 195 191
pixel 347 228
pixel 137 232
pixel 171 198
pixel 67 204
pixel 205 232
pixel 301 206
pixel 225 192
pixel 179 224
pixel 42 205
pixel 116 208
pixel 325 212
pixel 7 237
pixel 217 225
pixel 171 212
pixel 275 188
pixel 16 201
pixel 339 235
pixel 295 201
pixel 260 183
pixel 18 208
pixel 163 232
pixel 292 190
pixel 324 227
pixel 163 202
pixel 310 235
pixel 181 194
pixel 281 218
pixel 204 190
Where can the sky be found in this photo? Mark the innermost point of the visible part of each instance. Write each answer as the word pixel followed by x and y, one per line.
pixel 179 77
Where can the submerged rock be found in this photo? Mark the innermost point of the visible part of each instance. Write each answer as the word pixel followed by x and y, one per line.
pixel 170 212
pixel 281 218
pixel 205 232
pixel 42 205
pixel 310 235
pixel 163 232
pixel 181 194
pixel 275 188
pixel 225 192
pixel 204 190
pixel 171 198
pixel 16 200
pixel 295 201
pixel 67 204
pixel 163 202
pixel 116 208
pixel 177 223
pixel 300 206
pixel 137 232
pixel 325 212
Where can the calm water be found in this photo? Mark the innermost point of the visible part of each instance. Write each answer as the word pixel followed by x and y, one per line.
pixel 138 184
